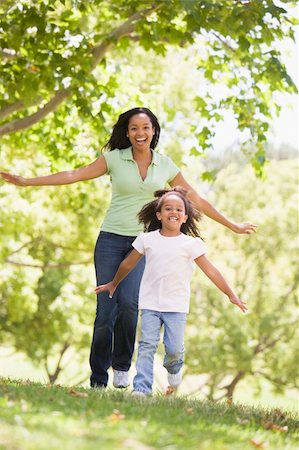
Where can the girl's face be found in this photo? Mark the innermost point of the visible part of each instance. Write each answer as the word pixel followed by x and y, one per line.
pixel 172 214
pixel 140 131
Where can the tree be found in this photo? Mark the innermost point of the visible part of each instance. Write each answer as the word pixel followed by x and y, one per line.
pixel 63 56
pixel 264 270
pixel 46 275
pixel 68 68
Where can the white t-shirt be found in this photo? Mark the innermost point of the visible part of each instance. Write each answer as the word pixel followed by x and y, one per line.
pixel 165 285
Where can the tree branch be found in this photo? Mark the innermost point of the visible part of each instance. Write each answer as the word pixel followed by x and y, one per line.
pixel 9 109
pixel 231 387
pixel 223 41
pixel 274 380
pixel 28 121
pixel 81 381
pixel 49 244
pixel 22 246
pixel 46 266
pixel 53 376
pixel 123 30
pixel 290 290
pixel 43 266
pixel 266 344
pixel 98 53
pixel 17 106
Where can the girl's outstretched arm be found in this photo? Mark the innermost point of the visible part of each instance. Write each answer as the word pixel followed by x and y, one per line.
pixel 93 170
pixel 209 210
pixel 124 269
pixel 215 276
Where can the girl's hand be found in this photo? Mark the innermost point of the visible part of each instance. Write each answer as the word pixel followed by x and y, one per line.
pixel 106 287
pixel 244 228
pixel 238 302
pixel 14 179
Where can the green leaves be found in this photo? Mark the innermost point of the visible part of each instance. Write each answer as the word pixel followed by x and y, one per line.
pixel 50 46
pixel 47 239
pixel 219 341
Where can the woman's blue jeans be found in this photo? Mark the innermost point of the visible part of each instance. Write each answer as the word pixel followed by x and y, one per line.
pixel 116 318
pixel 151 323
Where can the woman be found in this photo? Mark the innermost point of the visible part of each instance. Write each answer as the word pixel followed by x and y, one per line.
pixel 136 171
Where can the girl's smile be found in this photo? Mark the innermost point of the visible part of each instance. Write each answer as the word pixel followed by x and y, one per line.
pixel 172 215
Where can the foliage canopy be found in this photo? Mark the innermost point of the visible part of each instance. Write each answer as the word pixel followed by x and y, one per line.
pixel 66 56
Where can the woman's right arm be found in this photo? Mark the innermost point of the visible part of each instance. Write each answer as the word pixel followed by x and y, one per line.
pixel 93 170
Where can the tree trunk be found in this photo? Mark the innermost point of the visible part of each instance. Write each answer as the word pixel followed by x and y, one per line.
pixel 54 375
pixel 231 387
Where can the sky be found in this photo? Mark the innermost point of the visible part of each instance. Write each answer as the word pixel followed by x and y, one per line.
pixel 287 125
pixel 285 128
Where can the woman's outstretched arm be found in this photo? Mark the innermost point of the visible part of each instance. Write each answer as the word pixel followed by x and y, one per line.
pixel 209 210
pixel 93 170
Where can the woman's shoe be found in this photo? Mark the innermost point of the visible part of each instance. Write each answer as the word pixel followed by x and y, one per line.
pixel 120 379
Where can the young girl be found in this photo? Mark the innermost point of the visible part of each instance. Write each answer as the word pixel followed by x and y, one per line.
pixel 165 287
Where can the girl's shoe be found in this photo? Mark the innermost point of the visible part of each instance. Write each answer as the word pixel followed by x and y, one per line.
pixel 174 380
pixel 138 394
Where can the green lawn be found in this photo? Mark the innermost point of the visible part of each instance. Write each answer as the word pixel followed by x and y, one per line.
pixel 36 416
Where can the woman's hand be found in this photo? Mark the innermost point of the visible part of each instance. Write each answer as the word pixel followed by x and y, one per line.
pixel 204 206
pixel 14 179
pixel 244 228
pixel 106 287
pixel 238 302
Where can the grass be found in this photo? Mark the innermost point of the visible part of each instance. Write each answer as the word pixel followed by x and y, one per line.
pixel 36 416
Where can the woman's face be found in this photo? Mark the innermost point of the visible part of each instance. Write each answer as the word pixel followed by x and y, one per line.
pixel 140 131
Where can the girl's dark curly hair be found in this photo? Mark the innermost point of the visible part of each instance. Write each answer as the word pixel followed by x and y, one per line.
pixel 148 216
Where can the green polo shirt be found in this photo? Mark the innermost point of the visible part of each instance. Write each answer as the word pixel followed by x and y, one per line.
pixel 130 192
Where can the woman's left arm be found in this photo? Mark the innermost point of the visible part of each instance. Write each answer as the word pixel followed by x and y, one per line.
pixel 209 210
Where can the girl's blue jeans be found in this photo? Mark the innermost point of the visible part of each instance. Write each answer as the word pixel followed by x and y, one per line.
pixel 151 323
pixel 116 318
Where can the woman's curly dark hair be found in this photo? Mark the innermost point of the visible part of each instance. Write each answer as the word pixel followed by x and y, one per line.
pixel 119 138
pixel 148 216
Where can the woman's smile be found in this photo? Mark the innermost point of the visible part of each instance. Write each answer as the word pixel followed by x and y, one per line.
pixel 140 130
